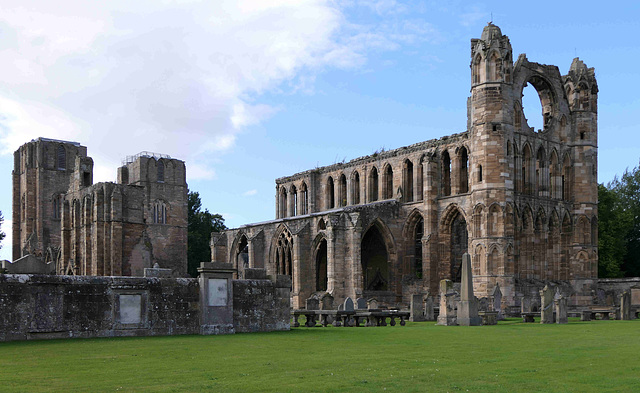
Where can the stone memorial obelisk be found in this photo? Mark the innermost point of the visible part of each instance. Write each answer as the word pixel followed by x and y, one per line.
pixel 468 307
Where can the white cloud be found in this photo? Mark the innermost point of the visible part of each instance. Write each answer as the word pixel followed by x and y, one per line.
pixel 176 77
pixel 250 192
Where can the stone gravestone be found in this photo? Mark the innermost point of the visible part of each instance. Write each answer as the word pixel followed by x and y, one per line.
pixel 361 303
pixel 416 311
pixel 625 306
pixel 312 304
pixel 496 301
pixel 561 308
pixel 546 308
pixel 447 314
pixel 429 314
pixel 372 304
pixel 348 306
pixel 326 303
pixel 468 307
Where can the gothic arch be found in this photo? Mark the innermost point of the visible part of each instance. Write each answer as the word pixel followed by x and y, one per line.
pixel 240 252
pixel 494 267
pixel 355 188
pixel 479 221
pixel 387 182
pixel 446 173
pixel 495 220
pixel 319 248
pixel 412 234
pixel 282 251
pixel 374 184
pixel 377 257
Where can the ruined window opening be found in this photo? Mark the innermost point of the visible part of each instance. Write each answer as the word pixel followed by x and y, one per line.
pixel 160 171
pixel 86 179
pixel 495 66
pixel 476 70
pixel 420 181
pixel 527 169
pixel 373 185
pixel 159 213
pixel 417 252
pixel 343 190
pixel 331 201
pixel 375 261
pixel 446 173
pixel 541 181
pixel 532 107
pixel 464 171
pixel 283 203
pixel 62 158
pixel 408 181
pixel 517 117
pixel 56 206
pixel 322 225
pixel 388 183
pixel 321 267
pixel 582 135
pixel 305 199
pixel 355 192
pixel 459 245
pixel 242 254
pixel 479 173
pixel 294 192
pixel 283 254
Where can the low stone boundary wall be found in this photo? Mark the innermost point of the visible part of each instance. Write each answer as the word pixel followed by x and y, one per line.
pixel 34 306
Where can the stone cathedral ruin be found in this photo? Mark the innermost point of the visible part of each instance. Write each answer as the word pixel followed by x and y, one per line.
pixel 522 202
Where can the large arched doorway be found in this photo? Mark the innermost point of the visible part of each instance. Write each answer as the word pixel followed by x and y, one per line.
pixel 375 261
pixel 242 256
pixel 321 267
pixel 459 244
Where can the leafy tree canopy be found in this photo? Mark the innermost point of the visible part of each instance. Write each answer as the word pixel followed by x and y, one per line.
pixel 200 225
pixel 619 226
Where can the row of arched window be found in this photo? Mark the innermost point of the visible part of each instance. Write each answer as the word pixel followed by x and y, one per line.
pixel 543 176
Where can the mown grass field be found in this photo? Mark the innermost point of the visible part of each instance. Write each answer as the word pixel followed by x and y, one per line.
pixel 596 356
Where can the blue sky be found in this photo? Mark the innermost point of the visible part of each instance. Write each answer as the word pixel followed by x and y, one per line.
pixel 249 91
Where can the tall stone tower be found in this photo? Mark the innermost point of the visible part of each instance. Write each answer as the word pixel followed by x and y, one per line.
pixel 490 125
pixel 533 192
pixel 43 171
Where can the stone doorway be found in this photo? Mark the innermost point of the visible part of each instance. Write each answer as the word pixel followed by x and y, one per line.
pixel 375 261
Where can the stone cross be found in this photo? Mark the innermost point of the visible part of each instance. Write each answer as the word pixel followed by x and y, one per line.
pixel 546 307
pixel 496 301
pixel 447 314
pixel 468 307
pixel 416 311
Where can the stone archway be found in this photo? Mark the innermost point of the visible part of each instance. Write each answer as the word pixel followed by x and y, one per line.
pixel 375 261
pixel 459 244
pixel 321 266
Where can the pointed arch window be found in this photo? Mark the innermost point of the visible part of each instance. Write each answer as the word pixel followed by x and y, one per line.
pixel 446 173
pixel 305 199
pixel 373 185
pixel 331 199
pixel 417 252
pixel 160 171
pixel 408 180
pixel 388 182
pixel 342 197
pixel 355 189
pixel 62 158
pixel 159 213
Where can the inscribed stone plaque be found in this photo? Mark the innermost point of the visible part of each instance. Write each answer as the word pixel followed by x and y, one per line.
pixel 130 311
pixel 635 296
pixel 217 292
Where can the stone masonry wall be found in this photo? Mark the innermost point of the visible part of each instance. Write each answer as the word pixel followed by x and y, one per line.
pixel 46 306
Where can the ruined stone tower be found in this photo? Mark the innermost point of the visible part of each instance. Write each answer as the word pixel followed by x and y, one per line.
pixel 522 202
pixel 98 229
pixel 44 169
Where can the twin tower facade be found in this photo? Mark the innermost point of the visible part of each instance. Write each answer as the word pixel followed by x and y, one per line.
pixel 521 201
pixel 104 229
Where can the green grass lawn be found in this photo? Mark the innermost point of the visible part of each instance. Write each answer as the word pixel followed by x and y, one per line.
pixel 579 357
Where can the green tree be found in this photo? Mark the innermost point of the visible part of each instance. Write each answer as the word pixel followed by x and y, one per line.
pixel 614 223
pixel 201 224
pixel 628 190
